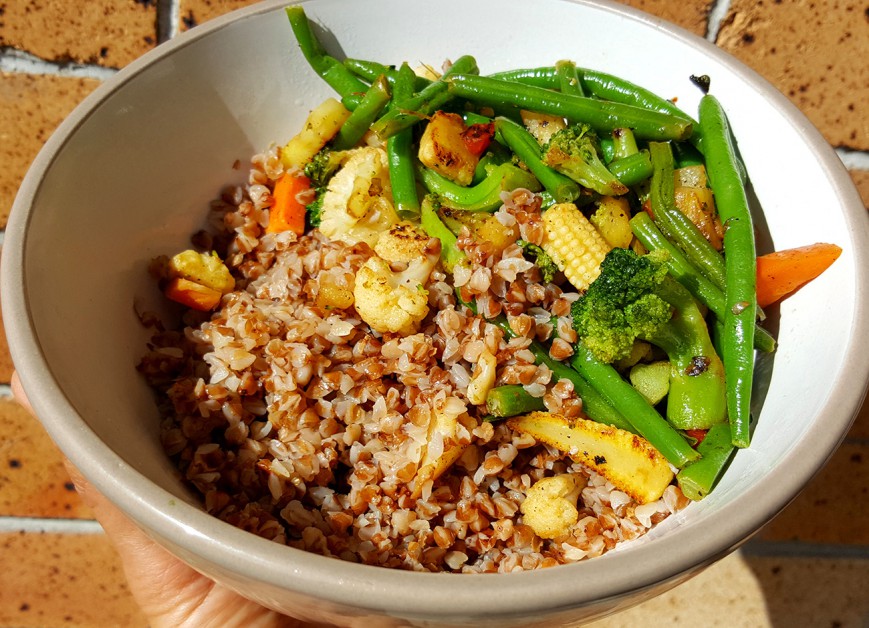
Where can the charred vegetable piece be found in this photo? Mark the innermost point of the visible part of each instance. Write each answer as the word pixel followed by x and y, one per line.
pixel 625 459
pixel 206 269
pixel 443 148
pixel 322 124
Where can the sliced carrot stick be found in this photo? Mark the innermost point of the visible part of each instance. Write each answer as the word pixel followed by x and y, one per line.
pixel 288 212
pixel 782 272
pixel 192 294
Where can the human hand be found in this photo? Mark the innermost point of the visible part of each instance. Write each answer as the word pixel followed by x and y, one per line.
pixel 169 592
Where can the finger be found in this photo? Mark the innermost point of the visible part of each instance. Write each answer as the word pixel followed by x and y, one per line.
pixel 18 392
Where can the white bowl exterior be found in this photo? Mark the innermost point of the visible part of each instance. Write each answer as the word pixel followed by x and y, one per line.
pixel 129 177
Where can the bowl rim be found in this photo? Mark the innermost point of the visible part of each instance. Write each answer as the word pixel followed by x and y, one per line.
pixel 235 551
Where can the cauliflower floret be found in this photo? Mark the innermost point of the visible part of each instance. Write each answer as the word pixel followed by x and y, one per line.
pixel 389 291
pixel 357 203
pixel 550 505
pixel 483 378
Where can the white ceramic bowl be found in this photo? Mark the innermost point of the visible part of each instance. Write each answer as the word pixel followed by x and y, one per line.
pixel 128 176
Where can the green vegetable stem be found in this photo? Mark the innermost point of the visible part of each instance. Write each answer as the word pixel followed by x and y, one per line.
pixel 675 225
pixel 434 227
pixel 600 85
pixel 633 169
pixel 370 70
pixel 624 143
pixel 602 116
pixel 355 126
pixel 435 95
pixel 568 78
pixel 486 195
pixel 327 67
pixel 400 154
pixel 631 404
pixel 697 479
pixel 685 273
pixel 737 342
pixel 563 189
pixel 512 400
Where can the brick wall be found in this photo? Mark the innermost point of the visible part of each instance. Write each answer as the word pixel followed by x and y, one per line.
pixel 808 567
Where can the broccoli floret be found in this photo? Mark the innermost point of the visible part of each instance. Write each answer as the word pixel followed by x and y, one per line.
pixel 319 171
pixel 314 210
pixel 541 258
pixel 575 152
pixel 323 165
pixel 635 298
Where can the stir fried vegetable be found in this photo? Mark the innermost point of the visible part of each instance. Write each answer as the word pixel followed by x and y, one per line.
pixel 654 256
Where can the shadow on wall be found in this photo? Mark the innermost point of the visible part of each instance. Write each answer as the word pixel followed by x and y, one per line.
pixel 810 591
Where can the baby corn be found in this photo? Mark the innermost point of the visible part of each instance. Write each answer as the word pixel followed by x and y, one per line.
pixel 573 243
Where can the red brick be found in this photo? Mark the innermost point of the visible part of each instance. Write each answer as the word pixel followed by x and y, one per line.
pixel 110 33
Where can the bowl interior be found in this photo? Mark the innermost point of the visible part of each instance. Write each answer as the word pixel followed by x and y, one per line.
pixel 130 174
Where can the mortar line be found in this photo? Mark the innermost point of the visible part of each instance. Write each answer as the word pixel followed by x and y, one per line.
pixel 19 62
pixel 717 12
pixel 804 549
pixel 41 525
pixel 168 19
pixel 854 159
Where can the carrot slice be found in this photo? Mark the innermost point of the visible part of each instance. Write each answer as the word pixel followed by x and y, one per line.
pixel 288 212
pixel 192 294
pixel 782 272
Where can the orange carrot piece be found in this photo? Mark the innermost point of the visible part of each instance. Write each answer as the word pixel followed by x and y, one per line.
pixel 782 272
pixel 192 294
pixel 288 212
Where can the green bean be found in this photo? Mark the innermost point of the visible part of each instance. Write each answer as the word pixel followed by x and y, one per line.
pixel 523 144
pixel 483 197
pixel 687 274
pixel 471 117
pixel 737 343
pixel 512 400
pixel 633 406
pixel 400 155
pixel 544 76
pixel 363 115
pixel 607 149
pixel 697 478
pixel 686 154
pixel 593 403
pixel 599 84
pixel 434 227
pixel 434 96
pixel 610 87
pixel 678 264
pixel 632 170
pixel 624 143
pixel 339 78
pixel 370 70
pixel 568 79
pixel 675 225
pixel 602 116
